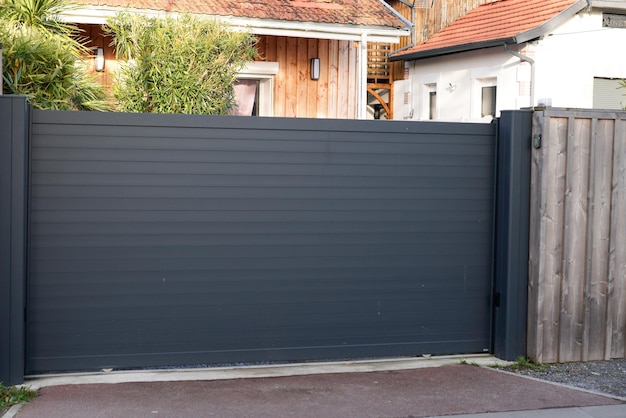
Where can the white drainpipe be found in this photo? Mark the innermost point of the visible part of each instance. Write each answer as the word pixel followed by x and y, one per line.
pixel 362 79
pixel 524 58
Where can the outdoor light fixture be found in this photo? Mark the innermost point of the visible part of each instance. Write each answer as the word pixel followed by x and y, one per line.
pixel 99 63
pixel 315 68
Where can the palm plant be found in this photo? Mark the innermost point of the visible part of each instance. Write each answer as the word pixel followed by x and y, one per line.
pixel 41 14
pixel 43 58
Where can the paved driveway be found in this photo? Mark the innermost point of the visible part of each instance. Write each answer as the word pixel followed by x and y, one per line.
pixel 446 390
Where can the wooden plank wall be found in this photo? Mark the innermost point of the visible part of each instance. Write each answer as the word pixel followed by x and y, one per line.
pixel 577 283
pixel 97 38
pixel 295 94
pixel 441 14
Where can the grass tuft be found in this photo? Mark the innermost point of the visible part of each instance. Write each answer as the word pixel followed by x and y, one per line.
pixel 523 363
pixel 11 395
pixel 465 363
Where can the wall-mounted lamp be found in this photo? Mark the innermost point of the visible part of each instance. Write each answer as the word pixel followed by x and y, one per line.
pixel 99 62
pixel 315 68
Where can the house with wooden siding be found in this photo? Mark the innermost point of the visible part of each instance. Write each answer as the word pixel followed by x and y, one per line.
pixel 291 34
pixel 512 54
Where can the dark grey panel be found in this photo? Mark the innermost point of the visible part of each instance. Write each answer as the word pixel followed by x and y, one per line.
pixel 14 146
pixel 512 229
pixel 169 240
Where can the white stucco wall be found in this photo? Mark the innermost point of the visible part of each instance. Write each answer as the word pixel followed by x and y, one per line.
pixel 458 80
pixel 570 58
pixel 566 62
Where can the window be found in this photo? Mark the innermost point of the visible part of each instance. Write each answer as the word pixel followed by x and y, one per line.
pixel 432 105
pixel 256 81
pixel 484 100
pixel 430 102
pixel 488 101
pixel 608 94
pixel 247 98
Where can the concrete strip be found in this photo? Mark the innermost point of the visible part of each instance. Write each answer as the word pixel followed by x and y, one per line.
pixel 610 411
pixel 13 411
pixel 244 372
pixel 563 385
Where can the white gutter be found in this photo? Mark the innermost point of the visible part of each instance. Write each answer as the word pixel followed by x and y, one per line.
pixel 98 15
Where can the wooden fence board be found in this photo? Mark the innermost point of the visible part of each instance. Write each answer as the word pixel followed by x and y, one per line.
pixel 574 243
pixel 553 220
pixel 616 315
pixel 600 195
pixel 535 328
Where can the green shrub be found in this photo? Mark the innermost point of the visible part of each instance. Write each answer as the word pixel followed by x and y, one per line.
pixel 177 65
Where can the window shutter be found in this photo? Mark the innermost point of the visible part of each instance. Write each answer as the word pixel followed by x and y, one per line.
pixel 488 101
pixel 607 94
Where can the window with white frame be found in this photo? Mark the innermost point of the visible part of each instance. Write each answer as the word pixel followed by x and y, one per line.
pixel 429 101
pixel 254 89
pixel 484 101
pixel 488 101
pixel 246 97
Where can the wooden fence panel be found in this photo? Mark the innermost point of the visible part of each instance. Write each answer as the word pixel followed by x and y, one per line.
pixel 577 283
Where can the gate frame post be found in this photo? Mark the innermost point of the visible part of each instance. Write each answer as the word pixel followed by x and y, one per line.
pixel 14 184
pixel 512 225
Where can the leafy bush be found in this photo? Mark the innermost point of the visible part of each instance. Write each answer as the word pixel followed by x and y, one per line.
pixel 177 65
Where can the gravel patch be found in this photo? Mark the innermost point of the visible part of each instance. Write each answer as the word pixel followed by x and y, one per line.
pixel 608 377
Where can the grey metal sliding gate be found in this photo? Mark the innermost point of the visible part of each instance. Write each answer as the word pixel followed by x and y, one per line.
pixel 175 240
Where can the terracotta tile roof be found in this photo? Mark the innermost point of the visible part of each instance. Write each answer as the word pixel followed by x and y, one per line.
pixel 351 12
pixel 510 21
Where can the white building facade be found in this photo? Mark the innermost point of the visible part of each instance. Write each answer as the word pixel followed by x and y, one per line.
pixel 579 65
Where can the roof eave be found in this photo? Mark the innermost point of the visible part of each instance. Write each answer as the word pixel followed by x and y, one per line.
pixel 316 30
pixel 609 5
pixel 413 56
pixel 551 24
pixel 522 37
